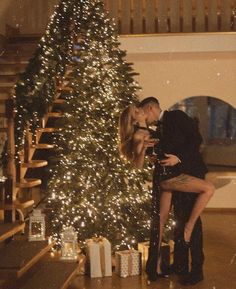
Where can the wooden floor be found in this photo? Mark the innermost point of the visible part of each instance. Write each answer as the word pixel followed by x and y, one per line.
pixel 219 269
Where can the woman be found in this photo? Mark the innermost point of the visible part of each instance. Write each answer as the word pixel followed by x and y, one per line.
pixel 135 140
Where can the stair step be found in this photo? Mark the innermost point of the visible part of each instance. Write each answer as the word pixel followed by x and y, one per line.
pixel 18 204
pixel 7 84
pixel 52 275
pixel 6 92
pixel 29 183
pixel 13 61
pixel 27 47
pixel 59 101
pixel 25 38
pixel 55 114
pixel 64 88
pixel 35 164
pixel 41 146
pixel 9 229
pixel 8 78
pixel 11 68
pixel 20 255
pixel 9 73
pixel 15 57
pixel 47 129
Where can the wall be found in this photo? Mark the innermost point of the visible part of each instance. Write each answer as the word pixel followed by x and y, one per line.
pixel 175 67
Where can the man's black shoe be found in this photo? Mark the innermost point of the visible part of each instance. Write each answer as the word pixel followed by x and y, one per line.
pixel 155 276
pixel 191 278
pixel 177 270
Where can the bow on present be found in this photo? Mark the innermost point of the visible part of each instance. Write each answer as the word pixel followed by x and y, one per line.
pixel 97 239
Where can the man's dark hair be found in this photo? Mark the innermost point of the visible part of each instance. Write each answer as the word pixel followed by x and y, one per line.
pixel 148 100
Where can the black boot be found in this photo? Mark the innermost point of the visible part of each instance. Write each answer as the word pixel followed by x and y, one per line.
pixel 192 278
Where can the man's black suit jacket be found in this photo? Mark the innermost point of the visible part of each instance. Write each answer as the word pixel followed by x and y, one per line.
pixel 181 137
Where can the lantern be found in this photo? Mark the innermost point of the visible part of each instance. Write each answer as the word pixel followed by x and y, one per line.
pixel 37 226
pixel 69 246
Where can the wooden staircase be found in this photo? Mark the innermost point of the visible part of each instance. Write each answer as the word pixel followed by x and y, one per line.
pixel 14 60
pixel 25 264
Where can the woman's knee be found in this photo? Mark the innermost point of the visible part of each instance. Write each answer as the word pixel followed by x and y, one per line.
pixel 209 189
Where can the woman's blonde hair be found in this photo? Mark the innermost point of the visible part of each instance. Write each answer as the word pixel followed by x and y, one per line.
pixel 126 132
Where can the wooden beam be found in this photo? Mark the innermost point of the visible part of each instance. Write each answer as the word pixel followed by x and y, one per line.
pixel 10 229
pixel 137 17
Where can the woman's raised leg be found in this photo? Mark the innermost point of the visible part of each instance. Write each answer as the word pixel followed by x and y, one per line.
pixel 186 183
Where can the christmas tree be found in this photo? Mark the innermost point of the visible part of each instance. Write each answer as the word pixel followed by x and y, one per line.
pixel 91 188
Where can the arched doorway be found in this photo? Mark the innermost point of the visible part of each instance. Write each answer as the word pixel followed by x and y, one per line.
pixel 217 124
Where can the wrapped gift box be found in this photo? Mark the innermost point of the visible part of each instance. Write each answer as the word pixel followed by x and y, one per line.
pixel 98 263
pixel 128 263
pixel 143 248
pixel 166 252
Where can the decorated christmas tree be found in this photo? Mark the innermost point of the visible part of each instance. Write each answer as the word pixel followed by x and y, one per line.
pixel 91 188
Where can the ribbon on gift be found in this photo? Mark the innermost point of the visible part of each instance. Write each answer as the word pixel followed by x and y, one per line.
pixel 102 252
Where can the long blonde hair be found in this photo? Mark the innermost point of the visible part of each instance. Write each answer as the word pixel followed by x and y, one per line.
pixel 126 133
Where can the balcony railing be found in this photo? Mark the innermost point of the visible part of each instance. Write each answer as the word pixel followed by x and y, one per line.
pixel 132 16
pixel 172 16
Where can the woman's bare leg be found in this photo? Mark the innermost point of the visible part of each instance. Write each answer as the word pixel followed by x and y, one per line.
pixel 186 183
pixel 165 202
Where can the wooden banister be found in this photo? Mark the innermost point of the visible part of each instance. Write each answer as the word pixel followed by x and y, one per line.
pixel 151 16
pixel 10 183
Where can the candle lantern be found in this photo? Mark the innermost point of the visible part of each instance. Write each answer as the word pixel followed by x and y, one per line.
pixel 69 245
pixel 37 226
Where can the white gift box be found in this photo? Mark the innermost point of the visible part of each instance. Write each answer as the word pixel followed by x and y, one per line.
pixel 128 263
pixel 99 257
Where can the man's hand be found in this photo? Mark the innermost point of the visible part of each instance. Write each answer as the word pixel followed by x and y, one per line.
pixel 170 161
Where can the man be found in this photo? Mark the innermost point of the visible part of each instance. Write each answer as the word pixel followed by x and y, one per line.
pixel 183 204
pixel 181 137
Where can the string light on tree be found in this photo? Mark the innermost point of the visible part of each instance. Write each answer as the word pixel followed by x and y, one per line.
pixel 104 196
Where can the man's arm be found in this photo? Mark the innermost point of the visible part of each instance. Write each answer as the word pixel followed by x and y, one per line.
pixel 192 139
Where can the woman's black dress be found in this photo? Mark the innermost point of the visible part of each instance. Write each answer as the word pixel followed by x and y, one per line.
pixel 160 173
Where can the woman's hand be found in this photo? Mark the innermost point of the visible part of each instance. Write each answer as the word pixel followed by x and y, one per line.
pixel 150 142
pixel 140 117
pixel 141 143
